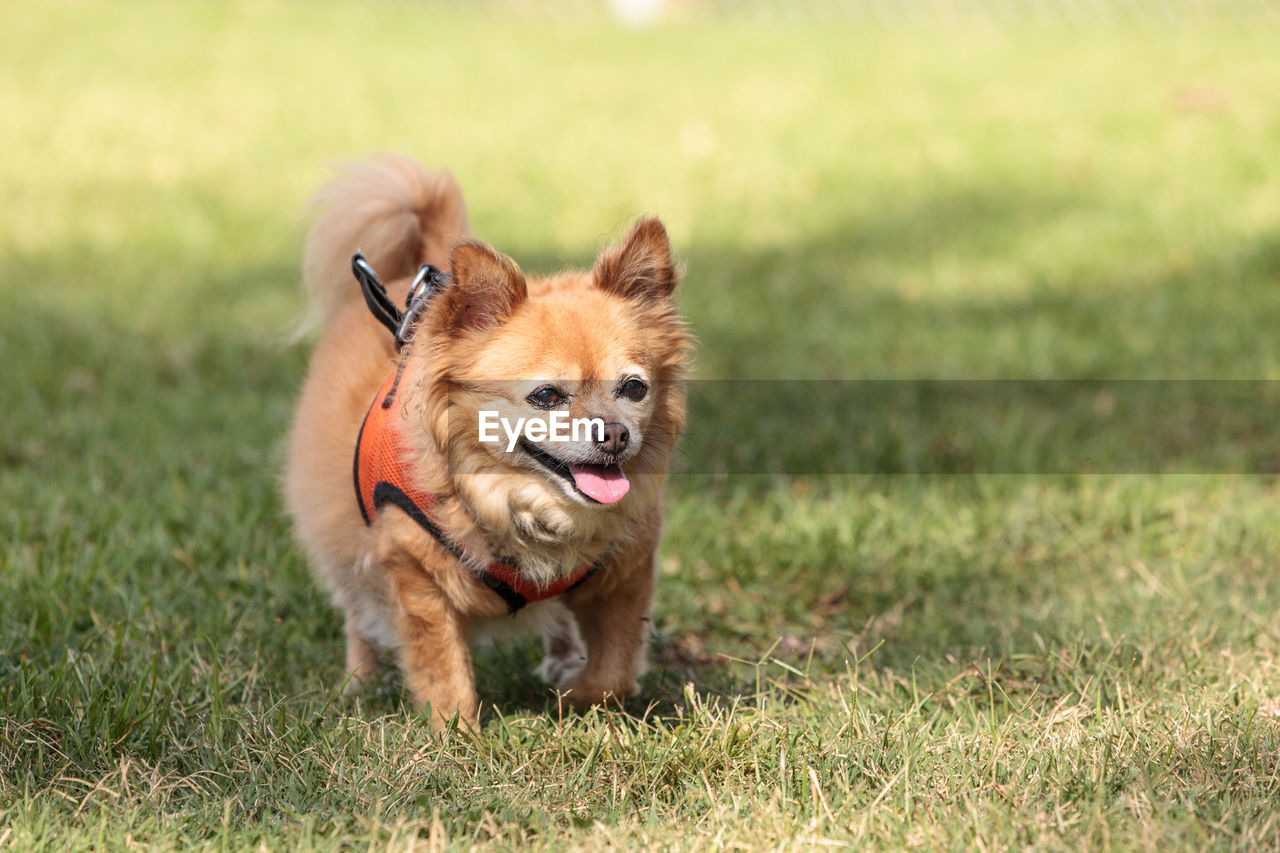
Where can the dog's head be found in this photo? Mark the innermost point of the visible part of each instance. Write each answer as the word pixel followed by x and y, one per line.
pixel 560 397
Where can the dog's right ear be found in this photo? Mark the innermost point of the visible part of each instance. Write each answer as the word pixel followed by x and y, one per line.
pixel 487 288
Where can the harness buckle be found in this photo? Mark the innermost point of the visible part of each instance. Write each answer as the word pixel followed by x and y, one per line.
pixel 429 281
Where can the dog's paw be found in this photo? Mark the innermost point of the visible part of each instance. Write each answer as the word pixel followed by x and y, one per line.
pixel 584 694
pixel 566 654
pixel 358 681
pixel 559 671
pixel 545 525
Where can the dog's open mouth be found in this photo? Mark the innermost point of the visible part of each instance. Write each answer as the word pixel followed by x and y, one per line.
pixel 604 484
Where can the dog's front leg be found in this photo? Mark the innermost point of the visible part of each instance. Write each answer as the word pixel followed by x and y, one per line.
pixel 614 622
pixel 435 654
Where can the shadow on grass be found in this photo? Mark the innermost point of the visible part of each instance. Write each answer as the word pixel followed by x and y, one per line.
pixel 205 400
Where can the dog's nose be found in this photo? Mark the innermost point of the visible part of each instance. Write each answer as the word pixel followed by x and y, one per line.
pixel 615 440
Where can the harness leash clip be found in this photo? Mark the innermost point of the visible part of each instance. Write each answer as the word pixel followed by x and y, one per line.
pixel 426 284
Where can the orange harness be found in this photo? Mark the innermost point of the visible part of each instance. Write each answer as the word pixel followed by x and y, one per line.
pixel 383 475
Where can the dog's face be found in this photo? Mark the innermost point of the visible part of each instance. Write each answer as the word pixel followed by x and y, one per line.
pixel 579 411
pixel 563 393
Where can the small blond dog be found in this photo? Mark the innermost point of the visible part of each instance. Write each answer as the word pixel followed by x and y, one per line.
pixel 428 532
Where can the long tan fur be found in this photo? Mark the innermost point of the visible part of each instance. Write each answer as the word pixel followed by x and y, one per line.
pixel 391 209
pixel 484 343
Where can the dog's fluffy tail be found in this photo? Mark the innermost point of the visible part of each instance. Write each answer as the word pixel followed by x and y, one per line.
pixel 391 209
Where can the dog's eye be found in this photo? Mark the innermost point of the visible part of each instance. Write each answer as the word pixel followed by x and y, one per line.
pixel 633 389
pixel 546 397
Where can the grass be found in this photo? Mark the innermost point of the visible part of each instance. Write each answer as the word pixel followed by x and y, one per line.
pixel 945 660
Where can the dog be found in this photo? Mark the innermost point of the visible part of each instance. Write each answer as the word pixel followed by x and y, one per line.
pixel 430 534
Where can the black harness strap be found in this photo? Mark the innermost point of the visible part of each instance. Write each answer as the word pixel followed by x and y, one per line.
pixel 385 493
pixel 375 294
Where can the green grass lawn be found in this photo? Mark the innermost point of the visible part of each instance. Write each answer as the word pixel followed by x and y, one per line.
pixel 963 660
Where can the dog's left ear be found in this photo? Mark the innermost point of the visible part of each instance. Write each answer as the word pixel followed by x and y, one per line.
pixel 641 267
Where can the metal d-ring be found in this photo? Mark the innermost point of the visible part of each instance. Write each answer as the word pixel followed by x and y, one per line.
pixel 426 284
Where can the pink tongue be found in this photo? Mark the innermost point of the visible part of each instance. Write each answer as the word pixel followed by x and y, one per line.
pixel 605 483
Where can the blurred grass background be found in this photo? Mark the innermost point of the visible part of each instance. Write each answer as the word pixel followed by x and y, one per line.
pixel 930 192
